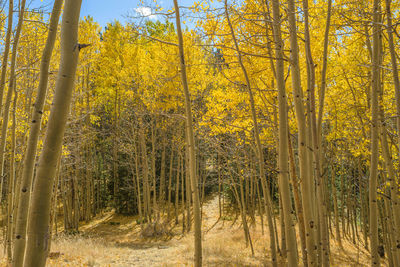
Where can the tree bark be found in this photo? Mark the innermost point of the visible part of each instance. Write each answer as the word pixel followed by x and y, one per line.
pixel 306 184
pixel 373 179
pixel 393 184
pixel 30 154
pixel 317 163
pixel 38 227
pixel 7 104
pixel 190 145
pixel 283 140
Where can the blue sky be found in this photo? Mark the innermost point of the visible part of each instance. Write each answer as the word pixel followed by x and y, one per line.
pixel 104 11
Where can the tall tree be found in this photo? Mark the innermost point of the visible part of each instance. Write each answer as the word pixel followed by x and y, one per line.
pixel 256 131
pixel 306 181
pixel 6 51
pixel 198 255
pixel 30 154
pixel 283 150
pixel 7 104
pixel 373 178
pixel 317 160
pixel 39 214
pixel 393 183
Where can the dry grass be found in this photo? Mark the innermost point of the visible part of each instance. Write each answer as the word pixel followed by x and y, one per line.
pixel 112 240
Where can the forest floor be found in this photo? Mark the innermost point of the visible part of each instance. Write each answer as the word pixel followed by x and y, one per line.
pixel 114 240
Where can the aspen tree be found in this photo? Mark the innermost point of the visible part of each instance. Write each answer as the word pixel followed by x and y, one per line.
pixel 7 104
pixel 11 181
pixel 243 213
pixel 6 52
pixel 306 184
pixel 115 148
pixel 394 211
pixel 188 192
pixel 322 208
pixel 267 194
pixel 297 198
pixel 393 184
pixel 183 175
pixel 178 174
pixel 395 71
pixel 393 221
pixel 364 208
pixel 169 199
pixel 153 167
pixel 162 175
pixel 323 72
pixel 137 179
pixel 145 168
pixel 388 232
pixel 373 205
pixel 293 175
pixel 283 139
pixel 30 154
pixel 190 144
pixel 39 214
pixel 318 131
pixel 335 207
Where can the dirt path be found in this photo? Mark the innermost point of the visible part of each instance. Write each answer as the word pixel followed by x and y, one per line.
pixel 112 240
pixel 175 252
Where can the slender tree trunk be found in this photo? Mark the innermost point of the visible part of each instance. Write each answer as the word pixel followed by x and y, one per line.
pixel 183 174
pixel 373 207
pixel 220 208
pixel 342 200
pixel 322 208
pixel 299 208
pixel 30 154
pixel 38 227
pixel 244 217
pixel 6 51
pixel 190 145
pixel 335 208
pixel 323 72
pixel 306 184
pixel 137 181
pixel 171 165
pixel 283 142
pixel 395 71
pixel 393 184
pixel 7 104
pixel 188 193
pixel 178 173
pixel 365 217
pixel 145 172
pixel 394 212
pixel 267 195
pixel 11 182
pixel 115 163
pixel 153 168
pixel 388 233
pixel 162 176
